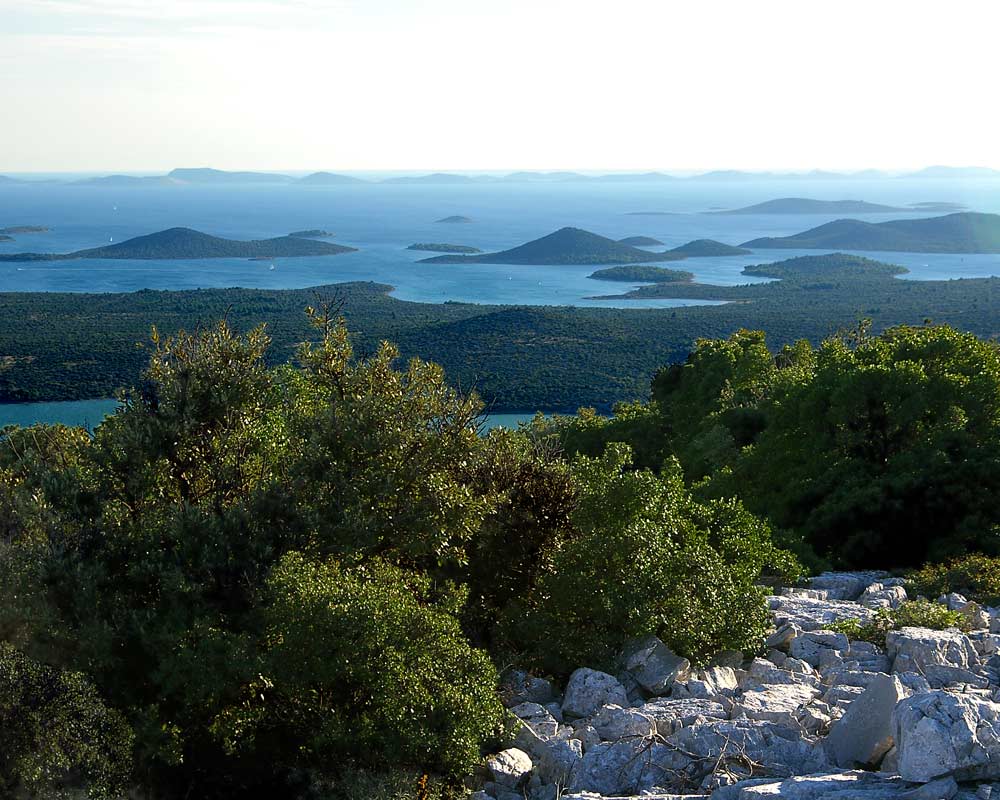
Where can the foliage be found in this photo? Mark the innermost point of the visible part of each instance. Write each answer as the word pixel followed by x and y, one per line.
pixel 639 534
pixel 58 736
pixel 910 614
pixel 975 576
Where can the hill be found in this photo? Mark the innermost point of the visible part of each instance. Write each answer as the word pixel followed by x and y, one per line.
pixel 454 219
pixel 444 248
pixel 643 273
pixel 834 265
pixel 180 243
pixel 640 241
pixel 328 179
pixel 208 175
pixel 965 232
pixel 565 246
pixel 128 181
pixel 705 248
pixel 805 205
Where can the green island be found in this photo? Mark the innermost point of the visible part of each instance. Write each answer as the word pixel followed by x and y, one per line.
pixel 805 205
pixel 455 219
pixel 705 248
pixel 5 238
pixel 25 229
pixel 311 233
pixel 57 346
pixel 444 248
pixel 184 243
pixel 640 241
pixel 644 273
pixel 964 232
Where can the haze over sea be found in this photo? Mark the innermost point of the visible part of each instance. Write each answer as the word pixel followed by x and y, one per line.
pixel 382 219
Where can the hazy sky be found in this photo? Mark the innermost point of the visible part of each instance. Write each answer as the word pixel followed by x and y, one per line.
pixel 134 85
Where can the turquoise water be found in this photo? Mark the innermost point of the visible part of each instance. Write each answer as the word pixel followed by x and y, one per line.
pixel 78 413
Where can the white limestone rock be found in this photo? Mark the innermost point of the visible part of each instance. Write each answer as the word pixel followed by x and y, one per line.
pixel 588 690
pixel 654 665
pixel 613 723
pixel 942 657
pixel 509 768
pixel 863 735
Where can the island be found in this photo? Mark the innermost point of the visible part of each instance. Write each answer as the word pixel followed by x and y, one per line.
pixel 454 219
pixel 640 241
pixel 564 246
pixel 642 273
pixel 5 238
pixel 218 176
pixel 707 248
pixel 938 207
pixel 444 248
pixel 25 229
pixel 328 179
pixel 184 243
pixel 128 181
pixel 437 177
pixel 312 233
pixel 651 213
pixel 964 232
pixel 805 205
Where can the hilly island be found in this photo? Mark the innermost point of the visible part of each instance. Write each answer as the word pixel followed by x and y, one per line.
pixel 577 246
pixel 965 232
pixel 805 205
pixel 184 243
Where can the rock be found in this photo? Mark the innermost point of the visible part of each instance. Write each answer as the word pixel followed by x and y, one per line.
pixel 624 768
pixel 509 768
pixel 763 672
pixel 863 735
pixel 940 733
pixel 810 615
pixel 558 760
pixel 953 600
pixel 878 595
pixel 845 585
pixel 614 722
pixel 537 717
pixel 977 616
pixel 986 644
pixel 812 646
pixel 777 703
pixel 654 665
pixel 812 594
pixel 519 687
pixel 555 709
pixel 942 657
pixel 778 749
pixel 727 658
pixel 587 736
pixel 781 639
pixel 588 690
pixel 855 785
pixel 671 715
pixel 706 683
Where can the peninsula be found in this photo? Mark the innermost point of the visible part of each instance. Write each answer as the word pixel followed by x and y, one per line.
pixel 184 243
pixel 312 233
pixel 965 232
pixel 805 205
pixel 444 248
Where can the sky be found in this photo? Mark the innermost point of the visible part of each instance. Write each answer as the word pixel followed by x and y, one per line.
pixel 357 85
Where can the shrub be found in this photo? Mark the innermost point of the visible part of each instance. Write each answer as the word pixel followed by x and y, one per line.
pixel 911 614
pixel 976 576
pixel 365 664
pixel 648 559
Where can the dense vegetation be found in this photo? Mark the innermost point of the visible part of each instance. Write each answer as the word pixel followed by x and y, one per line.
pixel 256 582
pixel 964 232
pixel 643 273
pixel 878 451
pixel 187 243
pixel 70 346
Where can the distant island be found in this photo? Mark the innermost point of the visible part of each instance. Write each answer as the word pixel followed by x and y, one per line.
pixel 328 179
pixel 706 248
pixel 128 181
pixel 640 241
pixel 939 207
pixel 312 233
pixel 436 177
pixel 454 219
pixel 444 248
pixel 965 232
pixel 5 238
pixel 805 205
pixel 25 229
pixel 565 246
pixel 642 273
pixel 207 175
pixel 184 243
pixel 651 213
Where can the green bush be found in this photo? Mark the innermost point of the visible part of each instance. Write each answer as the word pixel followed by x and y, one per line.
pixel 975 576
pixel 58 736
pixel 646 559
pixel 365 664
pixel 910 614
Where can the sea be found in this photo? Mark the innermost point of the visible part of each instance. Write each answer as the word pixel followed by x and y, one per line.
pixel 382 219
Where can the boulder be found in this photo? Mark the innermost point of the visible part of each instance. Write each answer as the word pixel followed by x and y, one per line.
pixel 854 785
pixel 614 722
pixel 814 647
pixel 845 585
pixel 781 639
pixel 671 715
pixel 536 717
pixel 878 595
pixel 953 600
pixel 654 665
pixel 519 687
pixel 863 735
pixel 588 690
pixel 557 761
pixel 978 617
pixel 625 768
pixel 509 768
pixel 941 733
pixel 810 615
pixel 775 702
pixel 707 683
pixel 942 657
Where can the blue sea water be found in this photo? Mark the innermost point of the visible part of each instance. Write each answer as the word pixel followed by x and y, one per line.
pixel 382 219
